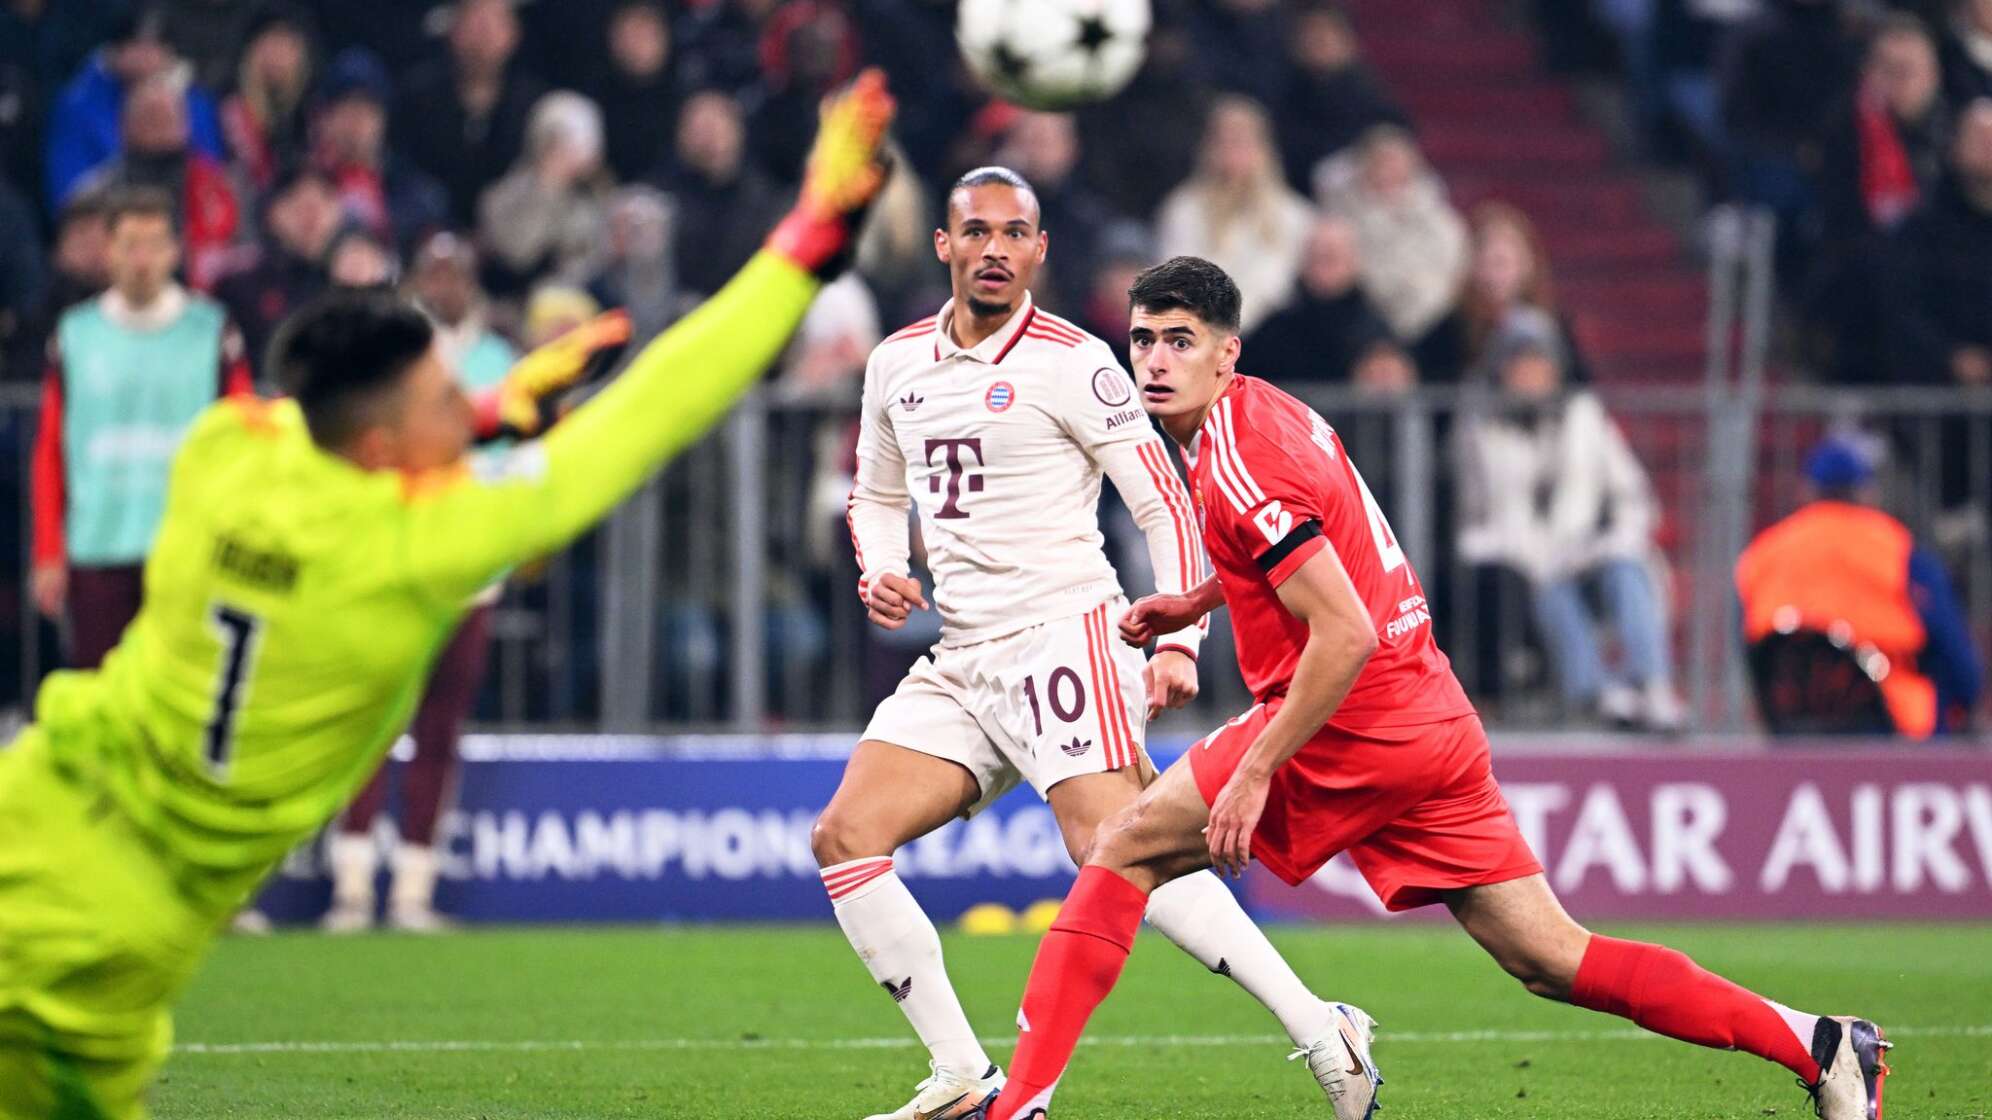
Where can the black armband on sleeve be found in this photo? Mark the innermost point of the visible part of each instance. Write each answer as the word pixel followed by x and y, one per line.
pixel 1302 533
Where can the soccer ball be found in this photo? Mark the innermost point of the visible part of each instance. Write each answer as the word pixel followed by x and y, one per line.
pixel 1053 54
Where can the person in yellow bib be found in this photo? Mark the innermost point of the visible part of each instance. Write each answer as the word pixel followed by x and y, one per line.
pixel 314 555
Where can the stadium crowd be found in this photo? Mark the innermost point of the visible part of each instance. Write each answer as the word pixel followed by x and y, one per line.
pixel 516 165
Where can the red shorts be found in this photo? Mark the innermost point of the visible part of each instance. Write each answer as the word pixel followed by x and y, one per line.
pixel 1419 814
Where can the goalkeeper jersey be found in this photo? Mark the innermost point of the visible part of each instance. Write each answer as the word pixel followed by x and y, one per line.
pixel 293 602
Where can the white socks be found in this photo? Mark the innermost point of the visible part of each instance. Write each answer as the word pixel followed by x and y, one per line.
pixel 899 946
pixel 414 887
pixel 354 860
pixel 901 949
pixel 1201 915
pixel 1801 1024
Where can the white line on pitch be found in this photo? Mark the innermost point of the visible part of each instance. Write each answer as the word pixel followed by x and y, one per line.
pixel 417 1046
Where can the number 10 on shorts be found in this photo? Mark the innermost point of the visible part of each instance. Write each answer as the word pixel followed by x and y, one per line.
pixel 1064 691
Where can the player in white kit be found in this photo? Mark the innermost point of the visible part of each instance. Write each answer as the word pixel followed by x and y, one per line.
pixel 996 420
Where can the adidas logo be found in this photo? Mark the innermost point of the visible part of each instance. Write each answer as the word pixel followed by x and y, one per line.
pixel 1075 748
pixel 911 401
pixel 1223 967
pixel 898 992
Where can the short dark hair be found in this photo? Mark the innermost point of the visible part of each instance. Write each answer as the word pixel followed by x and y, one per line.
pixel 83 206
pixel 993 176
pixel 340 353
pixel 1189 284
pixel 989 176
pixel 139 202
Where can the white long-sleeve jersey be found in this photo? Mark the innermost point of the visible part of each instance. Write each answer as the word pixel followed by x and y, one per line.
pixel 1001 447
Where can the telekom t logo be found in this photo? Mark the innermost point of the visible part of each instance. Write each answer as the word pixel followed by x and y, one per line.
pixel 951 507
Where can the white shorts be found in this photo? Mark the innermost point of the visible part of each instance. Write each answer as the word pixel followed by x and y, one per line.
pixel 1052 702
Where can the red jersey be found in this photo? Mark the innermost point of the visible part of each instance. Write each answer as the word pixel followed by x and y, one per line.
pixel 1273 487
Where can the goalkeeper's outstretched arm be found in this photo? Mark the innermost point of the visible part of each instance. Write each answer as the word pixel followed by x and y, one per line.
pixel 464 531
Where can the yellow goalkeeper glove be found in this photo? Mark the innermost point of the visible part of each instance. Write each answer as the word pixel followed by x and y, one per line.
pixel 845 171
pixel 521 404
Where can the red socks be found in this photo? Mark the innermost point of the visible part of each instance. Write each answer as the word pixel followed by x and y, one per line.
pixel 1665 992
pixel 1077 964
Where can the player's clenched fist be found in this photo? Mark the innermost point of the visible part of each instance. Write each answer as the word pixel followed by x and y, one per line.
pixel 890 598
pixel 1154 615
pixel 1171 677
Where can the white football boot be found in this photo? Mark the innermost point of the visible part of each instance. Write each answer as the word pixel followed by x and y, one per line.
pixel 1341 1063
pixel 949 1095
pixel 348 917
pixel 1849 1052
pixel 416 918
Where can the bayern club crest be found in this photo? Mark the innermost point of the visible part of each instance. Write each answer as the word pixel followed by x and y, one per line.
pixel 1112 387
pixel 1000 396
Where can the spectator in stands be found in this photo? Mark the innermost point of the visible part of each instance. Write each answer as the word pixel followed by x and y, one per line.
pixel 1883 154
pixel 1778 70
pixel 637 90
pixel 20 265
pixel 443 283
pixel 1967 52
pixel 634 269
pixel 1938 300
pixel 808 47
pixel 723 204
pixel 157 153
pixel 1332 98
pixel 463 119
pixel 387 196
pixel 300 219
pixel 86 121
pixel 544 218
pixel 1237 210
pixel 1550 490
pixel 1840 564
pixel 1044 149
pixel 264 118
pixel 1509 269
pixel 554 309
pixel 127 373
pixel 1329 332
pixel 1940 286
pixel 79 271
pixel 360 260
pixel 1413 243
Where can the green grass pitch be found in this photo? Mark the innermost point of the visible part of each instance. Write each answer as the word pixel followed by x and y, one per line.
pixel 748 1022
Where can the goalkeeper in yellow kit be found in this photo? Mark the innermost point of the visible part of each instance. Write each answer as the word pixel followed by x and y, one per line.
pixel 315 553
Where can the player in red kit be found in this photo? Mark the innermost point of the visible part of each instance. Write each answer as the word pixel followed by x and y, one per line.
pixel 1361 741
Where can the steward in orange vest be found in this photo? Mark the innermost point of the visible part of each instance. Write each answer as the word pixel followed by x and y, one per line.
pixel 1839 562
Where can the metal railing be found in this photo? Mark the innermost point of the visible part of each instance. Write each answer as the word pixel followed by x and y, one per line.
pixel 722 596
